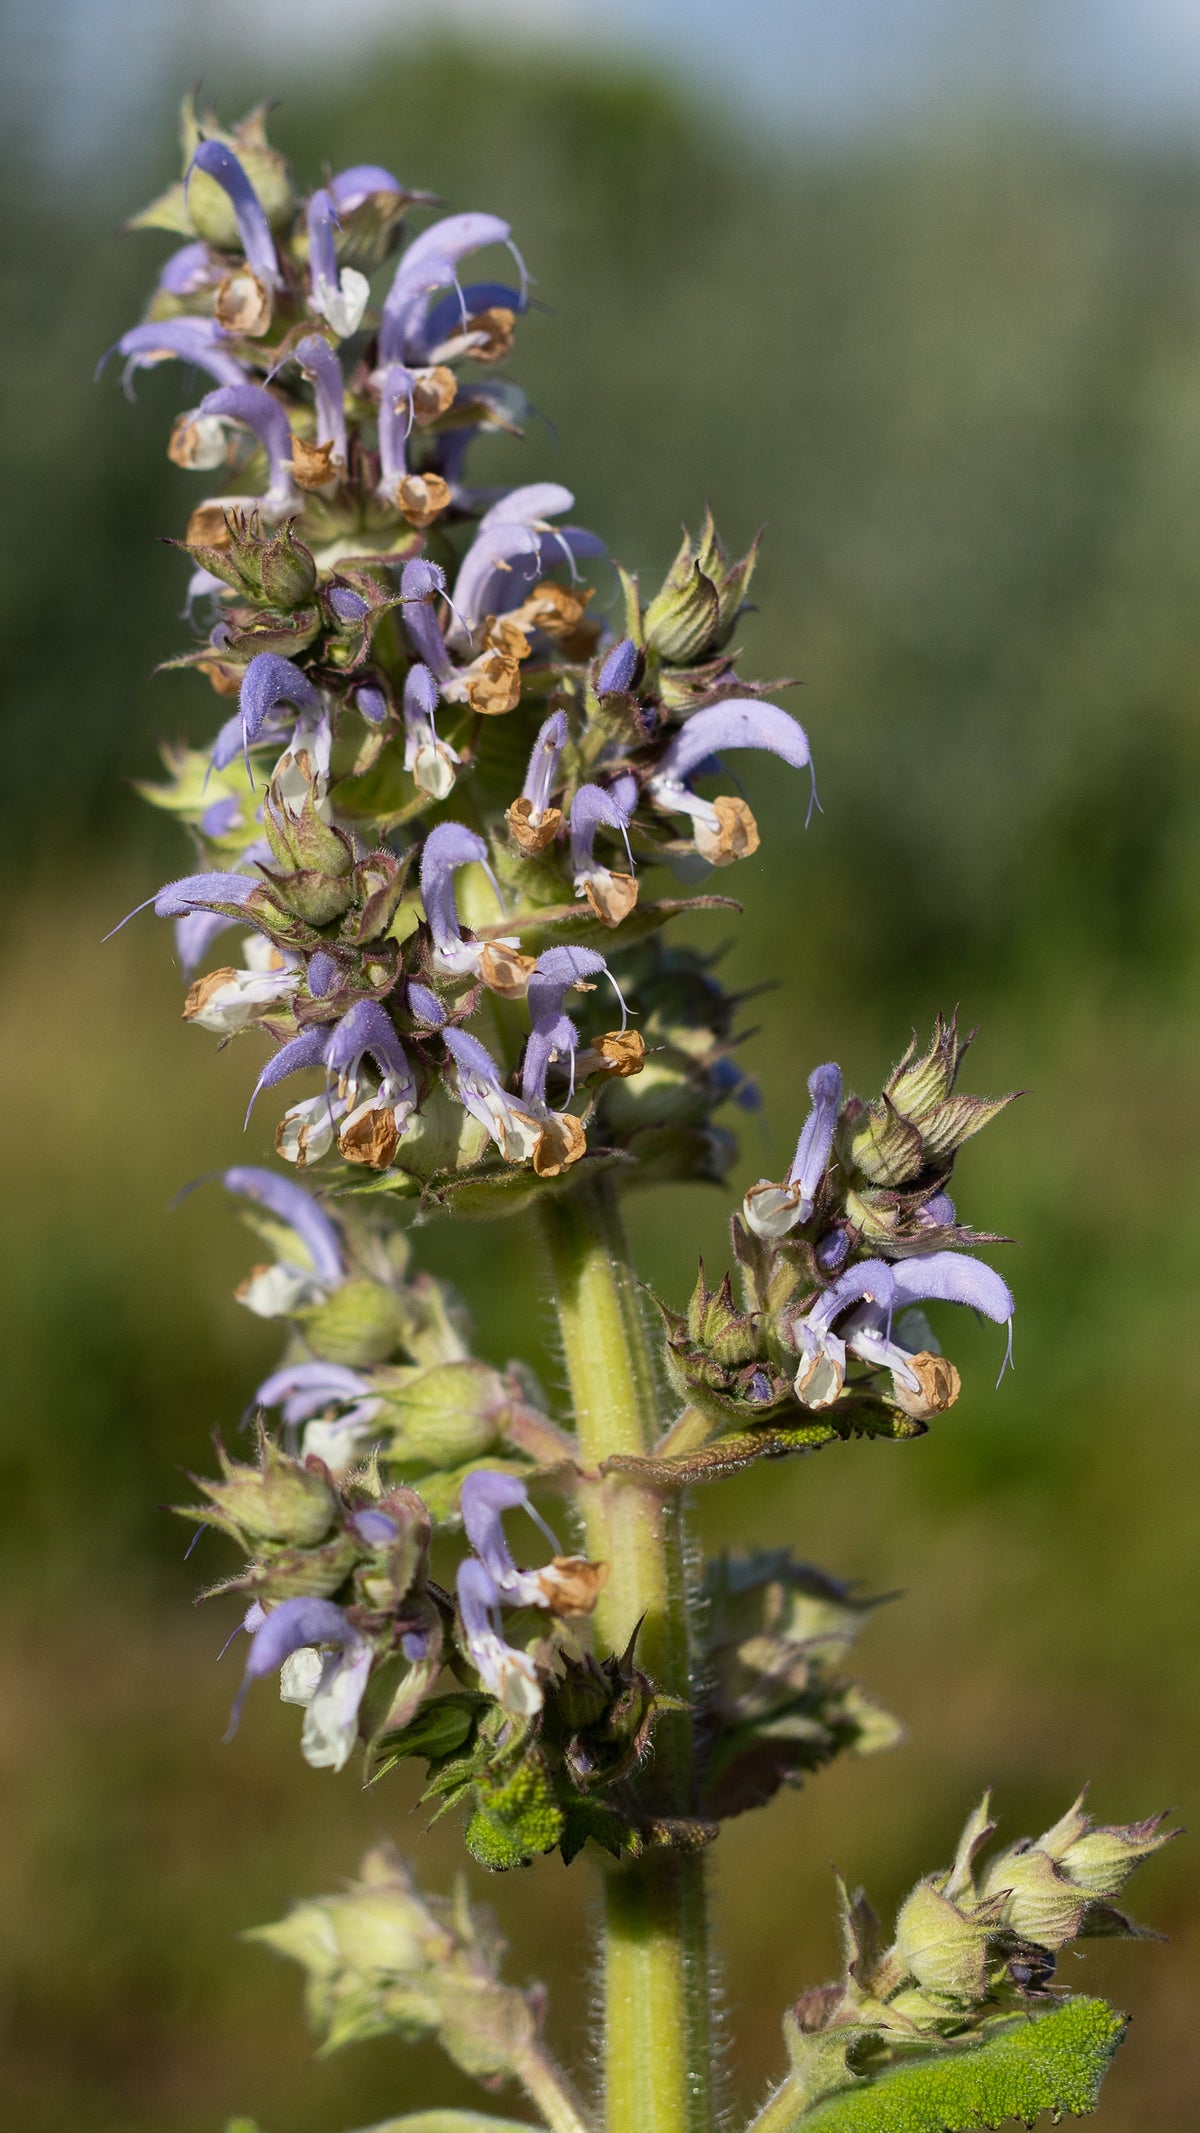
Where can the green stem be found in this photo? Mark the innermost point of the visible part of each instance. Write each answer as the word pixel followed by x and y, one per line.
pixel 658 2050
pixel 548 2087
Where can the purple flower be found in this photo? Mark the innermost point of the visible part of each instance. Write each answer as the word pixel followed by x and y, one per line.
pixel 432 762
pixel 593 809
pixel 199 341
pixel 738 722
pixel 365 1033
pixel 421 583
pixel 878 1289
pixel 445 321
pixel 395 422
pixel 431 263
pixel 303 1389
pixel 270 684
pixel 447 848
pixel 515 545
pixel 424 1006
pixel 620 669
pixel 511 1125
pixel 506 1673
pixel 195 893
pixel 219 162
pixel 485 1497
pixel 256 410
pixel 372 704
pixel 772 1210
pixel 189 271
pixel 319 364
pixel 340 298
pixel 553 1033
pixel 352 187
pixel 289 1203
pixel 544 759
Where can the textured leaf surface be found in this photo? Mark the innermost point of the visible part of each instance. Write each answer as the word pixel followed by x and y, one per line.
pixel 450 2122
pixel 1029 2064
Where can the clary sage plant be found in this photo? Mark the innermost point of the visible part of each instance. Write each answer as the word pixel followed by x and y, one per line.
pixel 439 842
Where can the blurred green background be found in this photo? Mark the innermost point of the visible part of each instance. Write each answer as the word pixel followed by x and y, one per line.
pixel 958 376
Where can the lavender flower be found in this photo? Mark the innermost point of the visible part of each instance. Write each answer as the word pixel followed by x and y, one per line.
pixel 339 298
pixel 219 162
pixel 553 1034
pixel 948 1277
pixel 514 545
pixel 361 182
pixel 319 364
pixel 253 407
pixel 506 1673
pixel 532 820
pixel 447 848
pixel 724 828
pixel 199 341
pixel 432 761
pixel 270 685
pixel 611 896
pixel 371 1125
pixel 430 263
pixel 772 1210
pixel 317 1267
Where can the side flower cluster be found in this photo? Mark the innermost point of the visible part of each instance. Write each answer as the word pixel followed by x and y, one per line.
pixel 838 1259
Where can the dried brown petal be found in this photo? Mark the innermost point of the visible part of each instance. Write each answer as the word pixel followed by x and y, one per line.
pixel 572 1585
pixel 420 498
pixel 611 896
pixel 504 635
pixel 940 1386
pixel 736 838
pixel 433 392
pixel 505 971
pixel 208 527
pixel 496 326
pixel 227 681
pixel 560 1143
pixel 619 1052
pixel 202 991
pixel 553 609
pixel 533 835
pixel 313 465
pixel 371 1138
pixel 243 304
pixel 495 686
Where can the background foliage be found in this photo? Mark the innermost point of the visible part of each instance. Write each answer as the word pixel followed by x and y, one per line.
pixel 960 380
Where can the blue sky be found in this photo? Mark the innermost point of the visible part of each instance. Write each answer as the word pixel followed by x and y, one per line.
pixel 810 68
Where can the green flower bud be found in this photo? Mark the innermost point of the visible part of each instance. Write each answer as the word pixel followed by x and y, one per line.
pixel 943 1950
pixel 278 1500
pixel 446 1414
pixel 1100 1857
pixel 305 841
pixel 288 572
pixel 698 605
pixel 361 1322
pixel 1041 1904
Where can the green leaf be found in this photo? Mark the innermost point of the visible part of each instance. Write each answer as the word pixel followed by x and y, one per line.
pixel 1024 2065
pixel 450 2122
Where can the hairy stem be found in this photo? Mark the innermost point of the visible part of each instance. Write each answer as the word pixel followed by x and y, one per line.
pixel 549 2088
pixel 658 2074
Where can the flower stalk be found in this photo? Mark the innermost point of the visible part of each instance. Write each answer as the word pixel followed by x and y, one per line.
pixel 656 1962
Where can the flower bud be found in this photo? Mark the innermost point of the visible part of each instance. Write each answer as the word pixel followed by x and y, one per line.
pixel 943 1950
pixel 359 1323
pixel 287 571
pixel 278 1500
